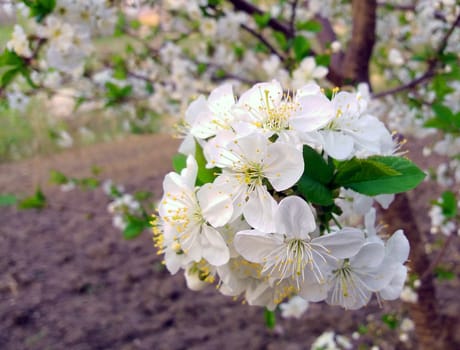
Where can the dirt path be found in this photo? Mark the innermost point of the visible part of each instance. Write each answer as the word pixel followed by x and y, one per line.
pixel 69 281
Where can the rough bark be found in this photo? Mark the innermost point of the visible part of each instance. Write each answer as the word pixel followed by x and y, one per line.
pixel 431 335
pixel 359 51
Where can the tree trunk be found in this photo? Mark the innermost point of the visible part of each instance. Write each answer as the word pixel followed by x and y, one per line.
pixel 359 51
pixel 431 335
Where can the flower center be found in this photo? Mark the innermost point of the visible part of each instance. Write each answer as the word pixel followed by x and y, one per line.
pixel 277 117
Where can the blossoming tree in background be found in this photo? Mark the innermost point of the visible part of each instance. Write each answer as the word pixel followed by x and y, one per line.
pixel 285 151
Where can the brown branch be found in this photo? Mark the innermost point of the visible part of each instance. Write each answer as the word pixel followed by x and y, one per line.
pixel 439 256
pixel 431 68
pixel 251 9
pixel 293 15
pixel 264 41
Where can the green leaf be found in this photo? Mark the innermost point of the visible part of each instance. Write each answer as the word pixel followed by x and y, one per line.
pixel 201 68
pixel 316 167
pixel 11 58
pixel 444 274
pixel 7 200
pixel 205 175
pixel 440 87
pixel 310 26
pixel 390 320
pixel 448 204
pixel 444 120
pixel 301 47
pixel 40 8
pixel 262 19
pixel 58 178
pixel 314 191
pixel 37 201
pixel 323 60
pixel 270 318
pixel 281 40
pixel 179 162
pixel 378 175
pixel 89 183
pixel 142 195
pixel 8 77
pixel 134 227
pixel 116 94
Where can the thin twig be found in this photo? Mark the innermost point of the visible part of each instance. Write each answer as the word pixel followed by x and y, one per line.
pixel 264 41
pixel 438 257
pixel 431 69
pixel 251 9
pixel 293 15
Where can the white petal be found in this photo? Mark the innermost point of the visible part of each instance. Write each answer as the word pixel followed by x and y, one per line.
pixel 312 291
pixel 194 109
pixel 254 245
pixel 379 278
pixel 315 111
pixel 342 244
pixel 258 96
pixel 338 145
pixel 370 255
pixel 393 290
pixel 284 166
pixel 216 206
pixel 221 98
pixel 252 147
pixel 259 211
pixel 308 89
pixel 190 172
pixel 295 218
pixel 214 248
pixel 397 247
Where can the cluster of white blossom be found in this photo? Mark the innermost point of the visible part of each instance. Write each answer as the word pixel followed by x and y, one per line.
pixel 331 341
pixel 247 226
pixel 123 204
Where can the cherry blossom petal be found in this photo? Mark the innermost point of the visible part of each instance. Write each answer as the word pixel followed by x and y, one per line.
pixel 214 248
pixel 259 210
pixel 216 206
pixel 294 218
pixel 254 245
pixel 284 166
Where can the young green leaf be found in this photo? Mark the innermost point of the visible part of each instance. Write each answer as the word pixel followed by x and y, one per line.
pixel 205 175
pixel 378 175
pixel 40 8
pixel 7 200
pixel 301 47
pixel 448 204
pixel 37 201
pixel 316 167
pixel 58 178
pixel 310 26
pixel 179 162
pixel 270 318
pixel 314 191
pixel 135 226
pixel 262 19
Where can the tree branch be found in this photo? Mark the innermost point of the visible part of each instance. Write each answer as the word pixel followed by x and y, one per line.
pixel 250 9
pixel 431 69
pixel 264 41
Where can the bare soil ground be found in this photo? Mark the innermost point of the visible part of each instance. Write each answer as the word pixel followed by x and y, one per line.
pixel 68 280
